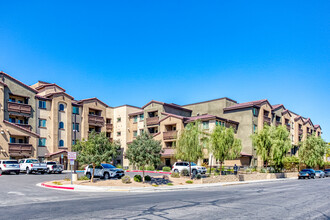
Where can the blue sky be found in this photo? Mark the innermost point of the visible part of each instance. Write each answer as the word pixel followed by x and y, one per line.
pixel 130 52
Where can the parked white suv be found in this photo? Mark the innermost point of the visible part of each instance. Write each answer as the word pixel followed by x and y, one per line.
pixel 105 171
pixel 8 166
pixel 195 169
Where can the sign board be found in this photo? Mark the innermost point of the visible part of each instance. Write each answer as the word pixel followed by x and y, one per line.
pixel 71 162
pixel 72 155
pixel 328 159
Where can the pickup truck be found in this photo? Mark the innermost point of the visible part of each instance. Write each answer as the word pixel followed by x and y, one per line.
pixel 32 165
pixel 53 167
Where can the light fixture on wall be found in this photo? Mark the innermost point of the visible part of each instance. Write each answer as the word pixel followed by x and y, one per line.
pixel 2 132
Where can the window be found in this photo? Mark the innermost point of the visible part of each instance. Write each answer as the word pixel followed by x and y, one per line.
pixel 75 110
pixel 61 143
pixel 42 142
pixel 205 125
pixel 108 120
pixel 12 140
pixel 42 123
pixel 134 133
pixel 108 135
pixel 141 117
pixel 254 128
pixel 20 121
pixel 12 99
pixel 255 112
pixel 135 118
pixel 42 104
pixel 141 131
pixel 12 120
pixel 119 119
pixel 75 127
pixel 61 125
pixel 118 133
pixel 61 107
pixel 20 101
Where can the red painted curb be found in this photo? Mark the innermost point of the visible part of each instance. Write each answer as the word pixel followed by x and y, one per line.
pixel 57 187
pixel 147 171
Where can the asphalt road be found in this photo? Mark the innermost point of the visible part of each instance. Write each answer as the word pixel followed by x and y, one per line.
pixel 20 198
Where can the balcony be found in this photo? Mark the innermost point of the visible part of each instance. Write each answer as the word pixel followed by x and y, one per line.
pixel 168 135
pixel 19 107
pixel 266 120
pixel 300 131
pixel 20 149
pixel 96 120
pixel 109 126
pixel 152 120
pixel 277 123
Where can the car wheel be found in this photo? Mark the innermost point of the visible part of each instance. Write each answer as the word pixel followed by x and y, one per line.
pixel 17 172
pixel 194 172
pixel 309 177
pixel 0 172
pixel 42 172
pixel 88 175
pixel 176 171
pixel 299 178
pixel 106 176
pixel 314 177
pixel 28 171
pixel 59 172
pixel 119 177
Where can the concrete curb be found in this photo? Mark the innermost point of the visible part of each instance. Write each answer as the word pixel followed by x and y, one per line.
pixel 81 188
pixel 146 171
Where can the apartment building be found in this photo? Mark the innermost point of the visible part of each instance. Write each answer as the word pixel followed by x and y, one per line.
pixel 43 121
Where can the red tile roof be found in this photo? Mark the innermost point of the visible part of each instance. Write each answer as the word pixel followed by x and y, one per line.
pixel 207 117
pixel 167 104
pixel 58 93
pixel 286 111
pixel 49 84
pixel 246 154
pixel 19 82
pixel 136 113
pixel 21 128
pixel 278 106
pixel 58 152
pixel 317 126
pixel 257 103
pixel 211 101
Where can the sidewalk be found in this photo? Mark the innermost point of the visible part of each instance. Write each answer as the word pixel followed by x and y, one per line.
pixel 82 188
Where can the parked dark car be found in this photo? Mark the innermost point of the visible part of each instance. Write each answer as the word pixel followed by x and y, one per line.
pixel 327 172
pixel 306 173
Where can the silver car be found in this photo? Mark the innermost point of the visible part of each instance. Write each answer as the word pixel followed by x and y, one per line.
pixel 105 171
pixel 319 174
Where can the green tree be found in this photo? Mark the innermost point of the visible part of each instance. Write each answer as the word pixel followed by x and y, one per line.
pixel 312 151
pixel 143 151
pixel 96 150
pixel 290 163
pixel 189 145
pixel 224 145
pixel 281 144
pixel 263 143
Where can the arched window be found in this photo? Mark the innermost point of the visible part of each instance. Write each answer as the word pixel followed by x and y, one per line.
pixel 61 143
pixel 61 107
pixel 61 125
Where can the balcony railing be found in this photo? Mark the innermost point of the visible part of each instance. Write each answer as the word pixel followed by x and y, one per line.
pixel 19 107
pixel 266 120
pixel 96 120
pixel 152 120
pixel 168 135
pixel 109 126
pixel 20 149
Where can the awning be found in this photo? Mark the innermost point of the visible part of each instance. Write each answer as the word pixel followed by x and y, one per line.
pixel 245 154
pixel 56 153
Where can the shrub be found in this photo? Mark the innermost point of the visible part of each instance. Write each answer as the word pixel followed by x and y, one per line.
pixel 119 166
pixel 138 178
pixel 83 178
pixel 147 178
pixel 189 182
pixel 141 168
pixel 170 184
pixel 184 172
pixel 198 176
pixel 126 179
pixel 263 170
pixel 175 175
pixel 205 165
pixel 216 173
pixel 57 183
pixel 154 185
pixel 151 168
pixel 166 169
pixel 67 179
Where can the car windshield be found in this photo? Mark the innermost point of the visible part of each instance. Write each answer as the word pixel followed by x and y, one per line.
pixel 108 166
pixel 34 161
pixel 10 162
pixel 305 170
pixel 193 164
pixel 51 163
pixel 317 171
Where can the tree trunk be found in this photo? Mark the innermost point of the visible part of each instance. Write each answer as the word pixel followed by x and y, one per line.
pixel 190 169
pixel 220 168
pixel 143 174
pixel 92 179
